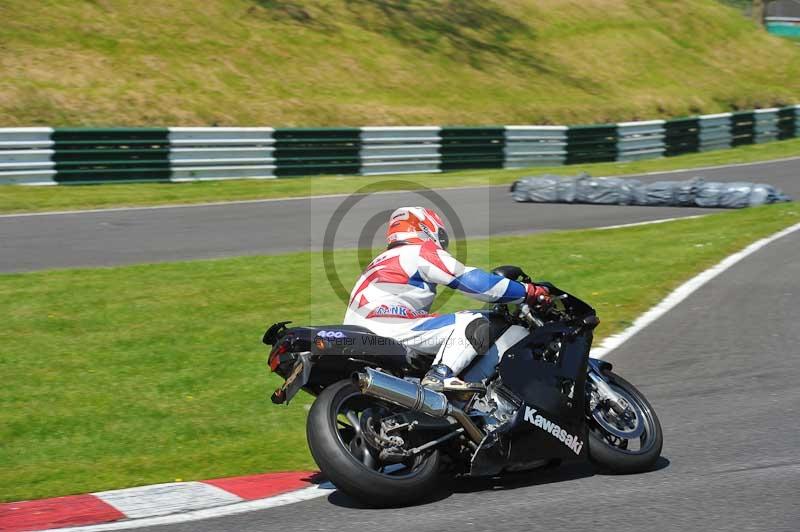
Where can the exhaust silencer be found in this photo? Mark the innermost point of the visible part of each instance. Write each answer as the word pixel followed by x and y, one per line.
pixel 401 392
pixel 414 397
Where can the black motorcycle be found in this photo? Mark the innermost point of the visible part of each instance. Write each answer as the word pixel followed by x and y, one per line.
pixel 383 439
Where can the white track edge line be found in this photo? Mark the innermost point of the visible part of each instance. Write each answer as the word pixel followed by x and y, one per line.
pixel 648 222
pixel 684 291
pixel 224 203
pixel 713 167
pixel 323 196
pixel 304 494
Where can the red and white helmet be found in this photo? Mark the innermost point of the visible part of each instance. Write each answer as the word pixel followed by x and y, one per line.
pixel 415 225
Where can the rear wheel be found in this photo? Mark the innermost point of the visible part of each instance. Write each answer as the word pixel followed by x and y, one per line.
pixel 339 429
pixel 624 443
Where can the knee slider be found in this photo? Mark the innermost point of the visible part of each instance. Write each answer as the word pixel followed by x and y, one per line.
pixel 479 334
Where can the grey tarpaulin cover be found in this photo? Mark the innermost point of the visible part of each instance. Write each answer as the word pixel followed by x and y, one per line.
pixel 605 190
pixel 737 195
pixel 680 193
pixel 615 191
pixel 546 189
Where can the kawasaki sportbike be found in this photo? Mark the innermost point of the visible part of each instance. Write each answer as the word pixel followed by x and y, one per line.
pixel 383 439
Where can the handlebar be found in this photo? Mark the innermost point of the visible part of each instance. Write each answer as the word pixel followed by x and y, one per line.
pixel 528 313
pixel 525 310
pixel 538 314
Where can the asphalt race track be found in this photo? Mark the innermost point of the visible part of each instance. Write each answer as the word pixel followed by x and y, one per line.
pixel 267 227
pixel 721 371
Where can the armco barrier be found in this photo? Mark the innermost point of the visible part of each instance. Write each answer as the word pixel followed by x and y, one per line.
pixel 472 147
pixel 640 140
pixel 681 136
pixel 766 125
pixel 317 151
pixel 797 121
pixel 786 123
pixel 715 132
pixel 534 146
pixel 400 150
pixel 591 144
pixel 743 128
pixel 42 156
pixel 221 153
pixel 91 155
pixel 26 155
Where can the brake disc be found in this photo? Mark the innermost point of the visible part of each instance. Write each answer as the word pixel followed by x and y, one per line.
pixel 629 425
pixel 378 439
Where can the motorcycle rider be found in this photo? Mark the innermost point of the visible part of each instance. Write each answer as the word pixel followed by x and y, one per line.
pixel 393 297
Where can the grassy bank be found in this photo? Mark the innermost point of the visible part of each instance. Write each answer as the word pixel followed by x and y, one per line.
pixel 133 375
pixel 360 62
pixel 31 199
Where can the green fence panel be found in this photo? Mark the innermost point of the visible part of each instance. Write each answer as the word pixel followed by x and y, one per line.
pixel 317 151
pixel 591 144
pixel 101 174
pixel 787 123
pixel 472 147
pixel 88 155
pixel 743 128
pixel 681 136
pixel 156 135
pixel 784 29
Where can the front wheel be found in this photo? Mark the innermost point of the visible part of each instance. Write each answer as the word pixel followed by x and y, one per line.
pixel 339 428
pixel 629 442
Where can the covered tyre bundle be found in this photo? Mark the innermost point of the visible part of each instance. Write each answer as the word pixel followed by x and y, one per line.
pixel 567 188
pixel 656 194
pixel 708 194
pixel 546 188
pixel 519 190
pixel 537 189
pixel 605 190
pixel 737 195
pixel 614 191
pixel 667 193
pixel 685 191
pixel 765 194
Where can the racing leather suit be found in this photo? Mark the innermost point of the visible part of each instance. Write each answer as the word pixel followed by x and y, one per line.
pixel 393 297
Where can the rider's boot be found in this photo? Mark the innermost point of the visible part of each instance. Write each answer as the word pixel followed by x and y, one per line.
pixel 440 378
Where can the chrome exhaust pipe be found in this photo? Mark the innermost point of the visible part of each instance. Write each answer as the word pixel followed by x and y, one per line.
pixel 414 397
pixel 401 392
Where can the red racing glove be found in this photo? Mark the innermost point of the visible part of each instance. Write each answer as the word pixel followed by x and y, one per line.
pixel 537 295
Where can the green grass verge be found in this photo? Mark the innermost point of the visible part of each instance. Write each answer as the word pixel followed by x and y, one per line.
pixel 31 199
pixel 362 62
pixel 143 374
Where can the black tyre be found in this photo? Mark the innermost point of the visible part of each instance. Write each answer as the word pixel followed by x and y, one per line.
pixel 628 445
pixel 345 456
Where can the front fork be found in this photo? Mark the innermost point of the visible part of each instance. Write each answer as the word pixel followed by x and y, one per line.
pixel 600 392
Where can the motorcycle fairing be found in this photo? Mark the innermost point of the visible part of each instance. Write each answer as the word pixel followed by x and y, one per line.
pixel 541 376
pixel 550 424
pixel 485 366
